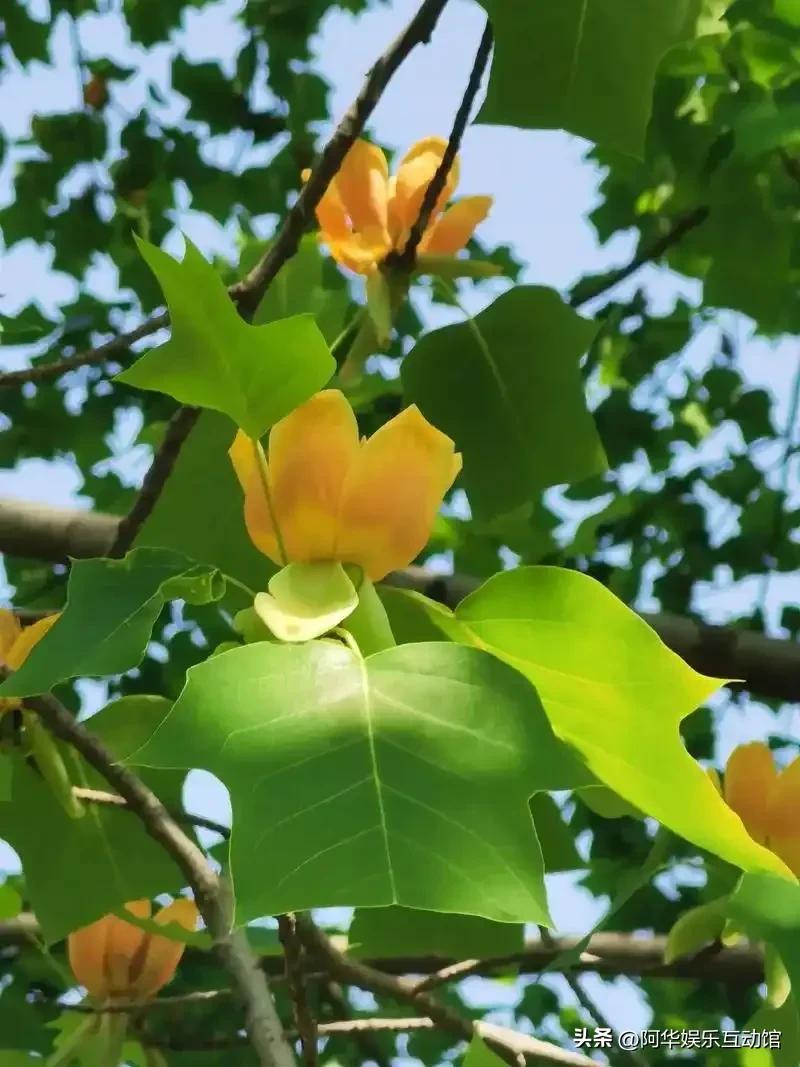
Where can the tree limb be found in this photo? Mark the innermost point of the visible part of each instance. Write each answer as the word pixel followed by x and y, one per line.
pixel 767 666
pixel 407 258
pixel 293 954
pixel 211 893
pixel 513 1047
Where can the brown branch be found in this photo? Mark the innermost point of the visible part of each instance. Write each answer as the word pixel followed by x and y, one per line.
pixel 250 291
pixel 406 260
pixel 583 293
pixel 179 428
pixel 293 953
pixel 97 796
pixel 513 1047
pixel 768 666
pixel 45 371
pixel 211 894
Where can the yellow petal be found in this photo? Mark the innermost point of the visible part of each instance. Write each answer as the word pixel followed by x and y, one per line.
pixel 31 635
pixel 162 954
pixel 393 494
pixel 9 631
pixel 257 516
pixel 331 215
pixel 414 175
pixel 306 600
pixel 310 453
pixel 750 777
pixel 86 950
pixel 361 184
pixel 450 233
pixel 355 255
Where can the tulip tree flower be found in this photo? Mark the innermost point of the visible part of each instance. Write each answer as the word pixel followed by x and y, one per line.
pixel 16 644
pixel 322 500
pixel 365 214
pixel 117 961
pixel 766 799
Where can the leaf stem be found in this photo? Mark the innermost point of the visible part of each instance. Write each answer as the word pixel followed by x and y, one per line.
pixel 263 473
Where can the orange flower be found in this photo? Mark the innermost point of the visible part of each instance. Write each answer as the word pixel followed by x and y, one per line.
pixel 117 961
pixel 766 799
pixel 364 214
pixel 16 645
pixel 329 496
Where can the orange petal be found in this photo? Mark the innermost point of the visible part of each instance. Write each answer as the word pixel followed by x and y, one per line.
pixel 31 635
pixel 393 493
pixel 86 950
pixel 124 948
pixel 310 453
pixel 257 516
pixel 750 777
pixel 784 816
pixel 9 631
pixel 162 954
pixel 414 175
pixel 450 233
pixel 361 183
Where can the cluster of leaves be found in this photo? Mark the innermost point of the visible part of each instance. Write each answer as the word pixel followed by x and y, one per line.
pixel 719 146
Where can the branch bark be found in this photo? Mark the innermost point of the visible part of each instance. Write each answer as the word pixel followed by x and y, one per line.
pixel 210 892
pixel 767 666
pixel 512 1046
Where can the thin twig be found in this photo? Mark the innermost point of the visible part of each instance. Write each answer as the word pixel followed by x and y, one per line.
pixel 211 894
pixel 407 258
pixel 250 291
pixel 370 1048
pixel 98 796
pixel 44 371
pixel 293 953
pixel 513 1047
pixel 683 224
pixel 179 428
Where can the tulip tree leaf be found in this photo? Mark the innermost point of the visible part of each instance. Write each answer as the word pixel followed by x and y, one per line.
pixel 512 399
pixel 200 511
pixel 585 66
pixel 104 858
pixel 422 758
pixel 214 359
pixel 111 608
pixel 386 932
pixel 614 691
pixel 768 909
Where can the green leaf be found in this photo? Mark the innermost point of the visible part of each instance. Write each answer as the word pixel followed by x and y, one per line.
pixel 369 624
pixel 5 776
pixel 786 1020
pixel 743 219
pixel 377 933
pixel 214 359
pixel 585 66
pixel 422 757
pixel 306 600
pixel 111 608
pixel 480 1055
pixel 201 510
pixel 10 902
pixel 614 691
pixel 695 929
pixel 768 908
pixel 506 387
pixel 558 844
pixel 105 858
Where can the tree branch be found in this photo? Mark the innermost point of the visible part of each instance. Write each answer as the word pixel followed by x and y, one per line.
pixel 304 1020
pixel 513 1047
pixel 407 258
pixel 97 796
pixel 179 428
pixel 769 666
pixel 251 290
pixel 211 894
pixel 590 288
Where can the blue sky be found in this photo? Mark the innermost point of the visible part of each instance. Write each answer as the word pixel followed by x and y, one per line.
pixel 543 191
